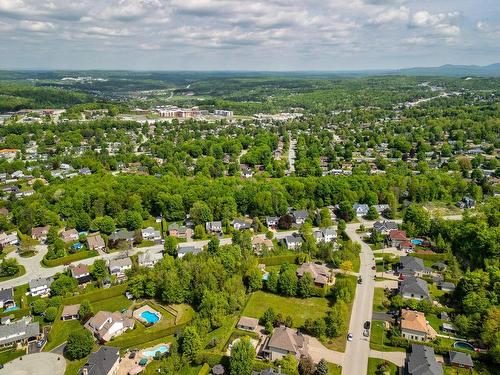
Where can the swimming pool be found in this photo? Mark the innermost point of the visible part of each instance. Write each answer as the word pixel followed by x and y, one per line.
pixel 151 353
pixel 463 345
pixel 150 317
pixel 12 308
pixel 417 241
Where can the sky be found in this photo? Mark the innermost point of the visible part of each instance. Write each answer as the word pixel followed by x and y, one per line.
pixel 325 35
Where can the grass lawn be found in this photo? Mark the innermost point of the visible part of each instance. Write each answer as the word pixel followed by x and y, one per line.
pixel 449 370
pixel 334 369
pixel 21 271
pixel 10 354
pixel 299 309
pixel 116 303
pixel 59 332
pixel 378 339
pixel 356 263
pixel 373 364
pixel 378 299
pixel 222 334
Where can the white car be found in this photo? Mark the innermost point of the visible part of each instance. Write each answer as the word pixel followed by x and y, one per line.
pixel 349 337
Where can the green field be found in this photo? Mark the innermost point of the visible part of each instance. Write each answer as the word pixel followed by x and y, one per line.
pixel 60 331
pixel 378 339
pixel 112 304
pixel 299 309
pixel 334 369
pixel 378 299
pixel 10 354
pixel 373 364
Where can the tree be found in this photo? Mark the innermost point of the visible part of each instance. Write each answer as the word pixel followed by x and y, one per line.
pixel 85 310
pixel 79 344
pixel 213 246
pixel 321 368
pixel 272 282
pixel 289 365
pixel 287 283
pixel 269 316
pixel 170 246
pixel 325 218
pixel 51 314
pixel 200 213
pixel 99 269
pixel 62 285
pixel 416 220
pixel 285 222
pixel 372 213
pixel 254 279
pixel 104 224
pixel 9 267
pixel 242 357
pixel 39 306
pixel 199 232
pixel 305 285
pixel 346 266
pixel 190 343
pixel 306 365
pixel 345 211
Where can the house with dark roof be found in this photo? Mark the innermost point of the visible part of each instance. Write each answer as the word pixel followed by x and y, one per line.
pixel 422 361
pixel 7 298
pixel 187 249
pixel 21 331
pixel 412 266
pixel 81 273
pixel 103 362
pixel 151 234
pixel 122 235
pixel 272 222
pixel 292 242
pixel 384 227
pixel 40 286
pixel 459 359
pixel 240 224
pixel 446 286
pixel 214 227
pixel 300 216
pixel 360 209
pixel 415 288
pixel 325 235
pixel 285 341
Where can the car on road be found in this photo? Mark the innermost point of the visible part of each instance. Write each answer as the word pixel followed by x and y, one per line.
pixel 367 325
pixel 40 343
pixel 366 332
pixel 360 280
pixel 349 337
pixel 374 268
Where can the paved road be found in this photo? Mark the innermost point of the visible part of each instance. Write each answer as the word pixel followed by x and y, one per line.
pixel 359 347
pixel 398 358
pixel 36 364
pixel 291 155
pixel 382 316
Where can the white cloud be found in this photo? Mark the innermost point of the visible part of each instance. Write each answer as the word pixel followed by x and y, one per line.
pixel 36 26
pixel 391 15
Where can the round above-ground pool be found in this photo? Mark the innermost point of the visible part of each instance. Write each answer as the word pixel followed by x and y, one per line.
pixel 463 345
pixel 152 352
pixel 417 241
pixel 150 317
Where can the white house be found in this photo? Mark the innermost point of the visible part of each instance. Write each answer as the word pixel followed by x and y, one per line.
pixel 151 234
pixel 40 286
pixel 149 259
pixel 106 325
pixel 7 239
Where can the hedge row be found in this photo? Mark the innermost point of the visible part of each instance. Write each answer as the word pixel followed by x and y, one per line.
pixel 280 259
pixel 212 359
pixel 97 295
pixel 204 370
pixel 70 258
pixel 139 338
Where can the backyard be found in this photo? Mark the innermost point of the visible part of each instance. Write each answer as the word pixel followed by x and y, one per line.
pixel 373 364
pixel 299 309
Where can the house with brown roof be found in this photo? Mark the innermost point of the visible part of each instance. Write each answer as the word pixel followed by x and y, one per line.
pixel 415 327
pixel 396 237
pixel 81 273
pixel 69 235
pixel 285 341
pixel 321 274
pixel 260 243
pixel 71 312
pixel 40 233
pixel 95 242
pixel 247 324
pixel 106 325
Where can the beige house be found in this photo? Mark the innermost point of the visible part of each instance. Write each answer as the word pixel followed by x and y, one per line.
pixel 106 325
pixel 415 327
pixel 260 243
pixel 285 341
pixel 321 274
pixel 95 242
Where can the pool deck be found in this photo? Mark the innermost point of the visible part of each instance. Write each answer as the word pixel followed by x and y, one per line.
pixel 137 313
pixel 152 349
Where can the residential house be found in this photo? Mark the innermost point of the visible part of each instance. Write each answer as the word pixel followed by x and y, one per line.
pixel 325 235
pixel 381 208
pixel 122 235
pixel 260 243
pixel 149 258
pixel 384 227
pixel 447 286
pixel 321 274
pixel 285 341
pixel 81 273
pixel 246 172
pixel 19 332
pixel 415 327
pixel 8 239
pixel 117 267
pixel 300 216
pixel 412 266
pixel 396 237
pixel 180 231
pixel 415 288
pixel 239 224
pixel 272 222
pixel 69 235
pixel 40 286
pixel 106 325
pixel 95 242
pixel 151 234
pixel 406 246
pixel 360 209
pixel 292 242
pixel 459 359
pixel 71 312
pixel 103 362
pixel 213 227
pixel 7 298
pixel 40 233
pixel 247 324
pixel 447 327
pixel 187 249
pixel 422 361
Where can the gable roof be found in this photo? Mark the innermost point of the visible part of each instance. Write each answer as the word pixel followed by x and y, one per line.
pixel 410 265
pixel 414 285
pixel 415 321
pixel 79 270
pixel 102 361
pixel 120 263
pixel 320 273
pixel 95 241
pixel 284 338
pixel 41 281
pixel 398 235
pixel 422 361
pixel 7 294
pixel 459 358
pixel 71 310
pixel 19 330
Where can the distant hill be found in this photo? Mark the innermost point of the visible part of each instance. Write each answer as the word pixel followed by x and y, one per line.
pixel 492 70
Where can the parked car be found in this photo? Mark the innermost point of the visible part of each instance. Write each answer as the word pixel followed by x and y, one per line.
pixel 367 325
pixel 132 355
pixel 349 337
pixel 360 280
pixel 374 268
pixel 366 332
pixel 40 343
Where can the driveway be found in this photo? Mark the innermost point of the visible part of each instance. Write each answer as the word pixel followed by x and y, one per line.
pixel 398 358
pixel 318 351
pixel 382 316
pixel 389 284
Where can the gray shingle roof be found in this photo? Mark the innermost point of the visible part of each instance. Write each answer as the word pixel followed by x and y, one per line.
pixel 102 361
pixel 462 359
pixel 414 285
pixel 19 330
pixel 422 361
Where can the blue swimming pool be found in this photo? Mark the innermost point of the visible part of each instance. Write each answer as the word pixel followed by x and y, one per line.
pixel 417 241
pixel 151 353
pixel 12 308
pixel 150 317
pixel 463 345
